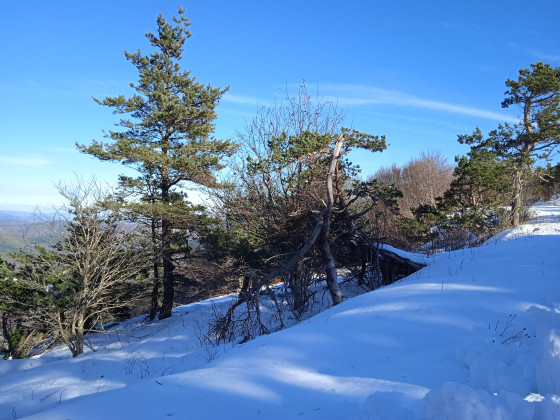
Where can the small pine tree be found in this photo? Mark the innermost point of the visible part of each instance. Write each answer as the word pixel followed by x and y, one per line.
pixel 10 292
pixel 482 184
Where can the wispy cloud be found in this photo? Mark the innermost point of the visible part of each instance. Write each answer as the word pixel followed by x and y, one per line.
pixel 539 54
pixel 348 95
pixel 544 56
pixel 354 95
pixel 60 149
pixel 242 100
pixel 24 161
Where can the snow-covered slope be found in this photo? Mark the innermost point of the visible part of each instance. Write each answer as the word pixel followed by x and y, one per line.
pixel 476 334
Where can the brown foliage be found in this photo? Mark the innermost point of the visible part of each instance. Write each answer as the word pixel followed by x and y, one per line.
pixel 421 180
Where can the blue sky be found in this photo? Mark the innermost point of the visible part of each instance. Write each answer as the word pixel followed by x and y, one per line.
pixel 420 72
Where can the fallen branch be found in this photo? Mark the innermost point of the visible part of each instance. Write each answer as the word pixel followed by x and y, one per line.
pixel 246 296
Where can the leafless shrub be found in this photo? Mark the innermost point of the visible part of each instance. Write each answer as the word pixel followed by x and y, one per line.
pixel 88 275
pixel 138 364
pixel 509 333
pixel 421 180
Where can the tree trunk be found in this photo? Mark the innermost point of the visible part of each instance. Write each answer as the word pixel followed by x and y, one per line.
pixel 154 306
pixel 168 280
pixel 324 245
pixel 167 256
pixel 155 286
pixel 5 328
pixel 330 270
pixel 74 338
pixel 7 335
pixel 524 160
pixel 298 286
pixel 78 341
pixel 517 203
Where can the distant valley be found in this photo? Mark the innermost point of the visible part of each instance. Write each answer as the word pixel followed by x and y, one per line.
pixel 19 230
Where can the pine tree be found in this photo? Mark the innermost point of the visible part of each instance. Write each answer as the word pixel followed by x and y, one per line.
pixel 537 93
pixel 10 290
pixel 482 184
pixel 168 137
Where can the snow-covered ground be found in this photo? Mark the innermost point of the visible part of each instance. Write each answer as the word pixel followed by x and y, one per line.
pixel 474 335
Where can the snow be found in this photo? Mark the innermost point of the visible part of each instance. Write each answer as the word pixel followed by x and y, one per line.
pixel 475 334
pixel 412 256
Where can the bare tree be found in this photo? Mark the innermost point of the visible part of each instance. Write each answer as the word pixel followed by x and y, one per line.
pixel 349 204
pixel 421 180
pixel 274 202
pixel 88 274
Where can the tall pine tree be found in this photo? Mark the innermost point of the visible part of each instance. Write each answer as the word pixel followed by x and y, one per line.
pixel 168 137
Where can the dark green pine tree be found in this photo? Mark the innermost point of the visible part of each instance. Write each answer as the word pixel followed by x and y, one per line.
pixel 168 137
pixel 8 309
pixel 482 184
pixel 537 93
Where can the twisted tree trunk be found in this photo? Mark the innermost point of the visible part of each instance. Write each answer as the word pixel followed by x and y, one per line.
pixel 324 245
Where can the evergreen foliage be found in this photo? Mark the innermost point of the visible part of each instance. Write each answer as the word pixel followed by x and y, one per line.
pixel 294 210
pixel 537 93
pixel 282 191
pixel 10 291
pixel 168 139
pixel 482 185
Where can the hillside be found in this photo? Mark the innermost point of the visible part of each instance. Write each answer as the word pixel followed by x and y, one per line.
pixel 19 229
pixel 475 334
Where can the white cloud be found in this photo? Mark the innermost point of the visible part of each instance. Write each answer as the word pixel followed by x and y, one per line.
pixel 348 95
pixel 544 56
pixel 61 149
pixel 240 99
pixel 24 160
